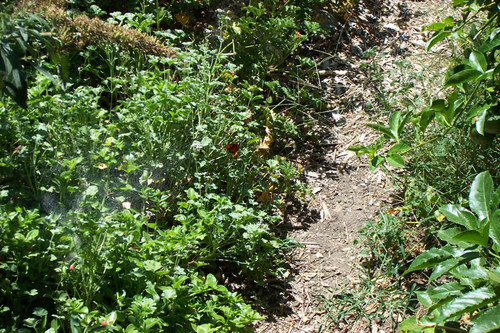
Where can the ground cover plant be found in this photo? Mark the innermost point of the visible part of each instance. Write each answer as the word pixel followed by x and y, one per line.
pixel 446 147
pixel 139 188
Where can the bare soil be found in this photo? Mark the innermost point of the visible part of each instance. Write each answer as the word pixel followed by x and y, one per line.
pixel 346 194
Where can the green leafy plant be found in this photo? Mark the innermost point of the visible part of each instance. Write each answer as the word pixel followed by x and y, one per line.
pixel 472 105
pixel 468 265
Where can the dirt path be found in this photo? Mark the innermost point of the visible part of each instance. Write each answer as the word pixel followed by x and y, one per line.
pixel 346 194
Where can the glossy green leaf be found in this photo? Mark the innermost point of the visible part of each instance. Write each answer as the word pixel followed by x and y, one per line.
pixel 396 160
pixel 433 257
pixel 448 234
pixel 478 61
pixel 436 39
pixel 426 118
pixel 472 236
pixel 481 195
pixel 438 105
pixel 375 162
pixel 460 215
pixel 494 230
pixel 211 281
pixel 481 119
pixel 445 291
pixel 490 44
pixel 494 276
pixel 487 320
pixel 462 77
pixel 469 302
pixel 443 268
pixel 398 148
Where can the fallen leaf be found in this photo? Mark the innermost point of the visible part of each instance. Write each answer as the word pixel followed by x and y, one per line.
pixel 126 205
pixel 264 144
pixel 232 148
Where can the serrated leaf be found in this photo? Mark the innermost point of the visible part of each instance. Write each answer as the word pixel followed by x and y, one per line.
pixel 481 195
pixel 460 215
pixel 469 302
pixel 487 320
pixel 432 257
pixel 494 276
pixel 462 77
pixel 445 291
pixel 448 234
pixel 444 267
pixel 478 60
pixel 436 39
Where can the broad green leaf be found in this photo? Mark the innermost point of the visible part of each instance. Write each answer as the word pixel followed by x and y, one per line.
pixel 425 299
pixel 375 162
pixel 396 160
pixel 448 234
pixel 211 281
pixel 490 44
pixel 394 122
pixel 151 265
pixel 426 118
pixel 438 105
pixel 359 150
pixel 495 227
pixel 205 328
pixel 469 302
pixel 13 78
pixel 398 148
pixel 460 215
pixel 472 277
pixel 444 267
pixel 445 291
pixel 410 325
pixel 472 236
pixel 481 119
pixel 478 60
pixel 433 257
pixel 494 276
pixel 487 320
pixel 91 191
pixel 462 77
pixel 481 195
pixel 436 39
pixel 382 129
pixel 32 234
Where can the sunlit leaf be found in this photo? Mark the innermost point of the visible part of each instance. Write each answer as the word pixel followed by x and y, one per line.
pixel 468 302
pixel 462 77
pixel 481 195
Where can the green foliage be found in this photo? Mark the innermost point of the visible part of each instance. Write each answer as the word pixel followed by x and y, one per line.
pixel 141 195
pixel 470 261
pixel 16 42
pixel 472 103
